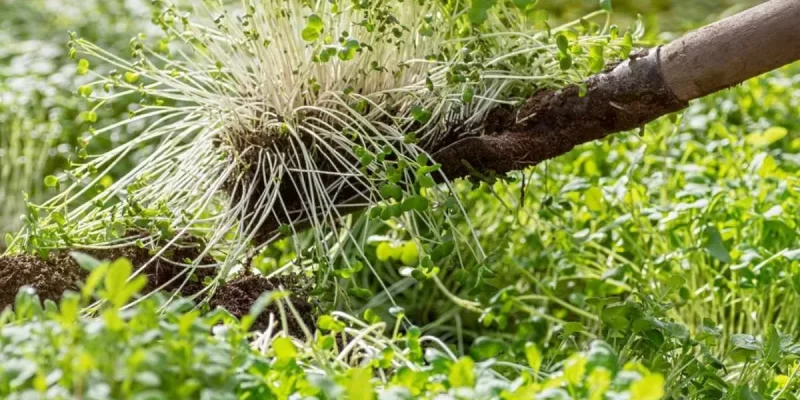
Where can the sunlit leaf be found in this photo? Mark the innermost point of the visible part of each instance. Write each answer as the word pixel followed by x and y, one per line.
pixel 715 245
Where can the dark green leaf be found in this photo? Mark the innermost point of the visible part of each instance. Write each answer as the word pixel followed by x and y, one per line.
pixel 479 12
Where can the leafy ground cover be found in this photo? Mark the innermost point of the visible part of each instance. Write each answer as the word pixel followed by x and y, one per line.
pixel 654 264
pixel 148 352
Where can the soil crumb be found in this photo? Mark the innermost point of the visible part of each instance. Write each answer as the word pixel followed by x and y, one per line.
pixel 239 295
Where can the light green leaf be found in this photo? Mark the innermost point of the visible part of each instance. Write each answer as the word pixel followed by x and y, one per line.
pixel 768 167
pixel 597 60
pixel 626 47
pixel 420 114
pixel 462 373
pixel 391 191
pixel 358 384
pixel 89 116
pixel 410 253
pixel 118 273
pixel 768 137
pixel 83 66
pixel 415 203
pixel 715 245
pixel 426 181
pixel 58 218
pixel 309 35
pixel 651 387
pixel 313 28
pixel 575 368
pixel 51 181
pixel 131 77
pixel 593 198
pixel 328 323
pixel 384 251
pixel 85 90
pixel 285 350
pixel 534 357
pixel 467 95
pixel 348 52
pixel 130 289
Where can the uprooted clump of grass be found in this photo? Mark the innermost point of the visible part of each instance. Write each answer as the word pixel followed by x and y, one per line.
pixel 271 117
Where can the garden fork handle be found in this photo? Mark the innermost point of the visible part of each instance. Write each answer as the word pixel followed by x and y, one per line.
pixel 730 51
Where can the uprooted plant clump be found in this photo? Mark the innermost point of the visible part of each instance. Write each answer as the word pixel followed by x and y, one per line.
pixel 259 145
pixel 249 144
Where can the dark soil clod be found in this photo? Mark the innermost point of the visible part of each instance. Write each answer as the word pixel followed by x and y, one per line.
pixel 49 278
pixel 162 272
pixel 238 295
pixel 60 272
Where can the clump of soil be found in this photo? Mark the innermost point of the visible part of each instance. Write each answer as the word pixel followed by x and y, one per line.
pixel 161 272
pixel 58 273
pixel 50 278
pixel 238 295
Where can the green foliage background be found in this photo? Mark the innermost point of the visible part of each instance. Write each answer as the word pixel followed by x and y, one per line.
pixel 39 125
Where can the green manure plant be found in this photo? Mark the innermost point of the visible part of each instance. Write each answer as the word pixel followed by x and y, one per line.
pixel 271 117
